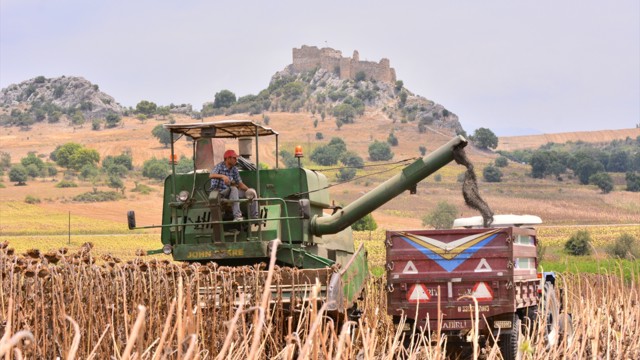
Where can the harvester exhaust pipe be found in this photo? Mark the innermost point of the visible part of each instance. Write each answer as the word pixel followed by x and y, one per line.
pixel 386 191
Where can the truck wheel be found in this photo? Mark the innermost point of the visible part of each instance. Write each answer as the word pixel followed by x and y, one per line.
pixel 550 312
pixel 510 343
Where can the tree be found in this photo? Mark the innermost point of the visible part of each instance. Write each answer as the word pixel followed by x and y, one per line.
pixel 603 181
pixel 352 159
pixel 224 99
pixel 345 113
pixel 492 174
pixel 78 118
pixel 441 217
pixel 338 143
pixel 288 159
pixel 88 171
pixel 5 159
pixel 112 120
pixel 163 135
pixel 619 161
pixel 485 139
pixel 392 139
pixel 380 151
pixel 587 167
pixel 155 169
pixel 18 174
pixel 325 155
pixel 625 247
pixel 633 181
pixel 82 157
pixel 62 154
pixel 184 165
pixel 360 76
pixel 32 159
pixel 123 159
pixel 423 150
pixel 146 108
pixel 502 162
pixel 319 136
pixel 366 223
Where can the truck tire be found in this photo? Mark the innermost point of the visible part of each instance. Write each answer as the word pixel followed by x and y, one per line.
pixel 550 314
pixel 510 342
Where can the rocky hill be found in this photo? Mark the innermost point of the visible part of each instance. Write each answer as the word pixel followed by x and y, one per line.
pixel 41 98
pixel 323 83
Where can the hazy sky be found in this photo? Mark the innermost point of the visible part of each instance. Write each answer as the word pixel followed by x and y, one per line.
pixel 511 66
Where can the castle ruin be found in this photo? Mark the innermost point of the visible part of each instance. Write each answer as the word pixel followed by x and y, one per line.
pixel 309 58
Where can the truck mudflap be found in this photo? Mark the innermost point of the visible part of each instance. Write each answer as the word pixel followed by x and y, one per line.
pixel 435 274
pixel 346 285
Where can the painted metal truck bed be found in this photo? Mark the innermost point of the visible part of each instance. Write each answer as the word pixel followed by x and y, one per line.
pixel 429 270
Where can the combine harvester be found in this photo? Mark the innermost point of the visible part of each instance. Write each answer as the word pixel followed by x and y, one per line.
pixel 427 270
pixel 198 225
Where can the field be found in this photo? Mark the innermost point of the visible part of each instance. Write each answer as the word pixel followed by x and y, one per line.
pixel 104 300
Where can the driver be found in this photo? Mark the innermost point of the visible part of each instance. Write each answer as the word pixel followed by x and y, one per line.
pixel 225 179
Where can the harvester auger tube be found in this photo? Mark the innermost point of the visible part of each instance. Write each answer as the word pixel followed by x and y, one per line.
pixel 386 191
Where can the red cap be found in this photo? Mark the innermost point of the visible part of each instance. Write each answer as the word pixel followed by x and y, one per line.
pixel 230 153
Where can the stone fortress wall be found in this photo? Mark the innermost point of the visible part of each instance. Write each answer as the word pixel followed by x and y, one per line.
pixel 308 58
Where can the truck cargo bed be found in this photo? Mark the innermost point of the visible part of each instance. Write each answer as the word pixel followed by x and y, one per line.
pixel 429 270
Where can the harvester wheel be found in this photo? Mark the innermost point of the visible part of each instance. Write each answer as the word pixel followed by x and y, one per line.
pixel 511 341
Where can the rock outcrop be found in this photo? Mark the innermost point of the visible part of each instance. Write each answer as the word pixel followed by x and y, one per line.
pixel 69 93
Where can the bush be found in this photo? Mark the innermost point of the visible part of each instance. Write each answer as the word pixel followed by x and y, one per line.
pixel 392 139
pixel 142 188
pixel 579 244
pixel 485 139
pixel 366 223
pixel 352 159
pixel 502 162
pixel 18 174
pixel 66 184
pixel 98 196
pixel 492 174
pixel 346 174
pixel 633 181
pixel 442 216
pixel 625 246
pixel 603 181
pixel 423 150
pixel 380 151
pixel 30 199
pixel 155 169
pixel 319 136
pixel 437 178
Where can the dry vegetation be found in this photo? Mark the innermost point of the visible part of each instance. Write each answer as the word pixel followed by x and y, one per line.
pixel 63 305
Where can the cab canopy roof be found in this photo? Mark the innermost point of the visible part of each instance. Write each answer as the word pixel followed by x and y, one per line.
pixel 221 129
pixel 499 221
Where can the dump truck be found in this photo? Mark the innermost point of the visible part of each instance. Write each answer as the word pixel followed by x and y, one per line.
pixel 437 279
pixel 198 226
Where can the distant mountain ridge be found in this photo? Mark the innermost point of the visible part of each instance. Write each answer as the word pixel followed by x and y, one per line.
pixel 511 143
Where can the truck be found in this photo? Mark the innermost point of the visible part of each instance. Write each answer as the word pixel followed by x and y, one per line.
pixel 438 279
pixel 296 214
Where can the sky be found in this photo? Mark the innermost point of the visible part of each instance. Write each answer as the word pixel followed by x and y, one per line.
pixel 513 67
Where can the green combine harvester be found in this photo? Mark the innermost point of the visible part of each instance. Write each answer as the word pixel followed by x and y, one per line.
pixel 198 225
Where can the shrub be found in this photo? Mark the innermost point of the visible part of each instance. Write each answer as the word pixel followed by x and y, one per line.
pixel 95 124
pixel 319 136
pixel 325 155
pixel 579 244
pixel 633 181
pixel 66 184
pixel 437 178
pixel 352 159
pixel 603 181
pixel 380 151
pixel 502 161
pixel 98 196
pixel 30 199
pixel 423 150
pixel 625 246
pixel 392 139
pixel 485 139
pixel 155 169
pixel 492 174
pixel 346 174
pixel 142 188
pixel 442 216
